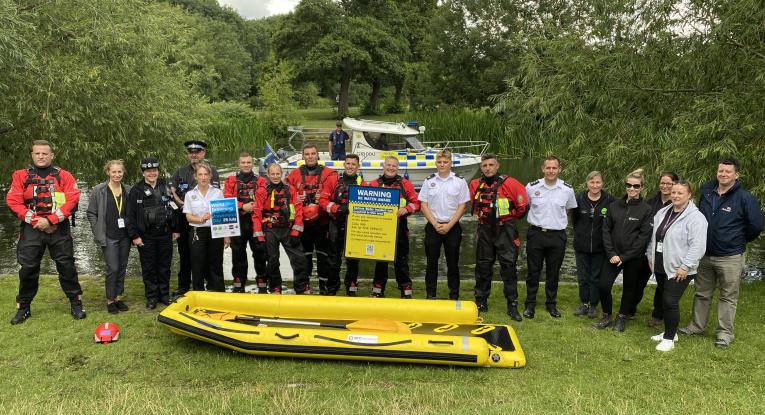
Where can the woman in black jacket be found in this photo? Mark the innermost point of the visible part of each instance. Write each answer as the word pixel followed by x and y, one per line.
pixel 625 235
pixel 588 220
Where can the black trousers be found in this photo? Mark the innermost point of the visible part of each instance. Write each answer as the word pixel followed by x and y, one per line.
pixel 206 260
pixel 239 263
pixel 631 270
pixel 548 248
pixel 496 242
pixel 400 265
pixel 315 238
pixel 451 242
pixel 116 253
pixel 156 257
pixel 658 297
pixel 588 268
pixel 672 292
pixel 29 253
pixel 642 282
pixel 184 254
pixel 337 230
pixel 276 236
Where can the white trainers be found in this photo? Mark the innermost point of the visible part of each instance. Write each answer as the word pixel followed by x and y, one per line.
pixel 665 345
pixel 659 337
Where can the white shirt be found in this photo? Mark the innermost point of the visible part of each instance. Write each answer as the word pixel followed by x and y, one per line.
pixel 548 204
pixel 198 205
pixel 443 196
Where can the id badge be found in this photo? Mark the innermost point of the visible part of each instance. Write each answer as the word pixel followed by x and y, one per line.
pixel 120 223
pixel 659 246
pixel 173 205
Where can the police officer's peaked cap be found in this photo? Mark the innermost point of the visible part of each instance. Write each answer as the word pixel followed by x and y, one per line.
pixel 149 163
pixel 195 145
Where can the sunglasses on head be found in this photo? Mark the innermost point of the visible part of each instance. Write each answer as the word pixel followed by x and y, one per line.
pixel 634 186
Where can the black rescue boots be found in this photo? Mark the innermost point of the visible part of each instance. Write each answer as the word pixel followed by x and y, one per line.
pixel 78 313
pixel 22 314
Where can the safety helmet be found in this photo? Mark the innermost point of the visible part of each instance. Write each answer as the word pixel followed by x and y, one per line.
pixel 107 333
pixel 311 213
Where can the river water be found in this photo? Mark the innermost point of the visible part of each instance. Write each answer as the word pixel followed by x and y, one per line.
pixel 89 258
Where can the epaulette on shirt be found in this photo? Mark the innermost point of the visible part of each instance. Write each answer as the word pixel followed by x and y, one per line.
pixel 534 183
pixel 457 175
pixel 568 185
pixel 431 176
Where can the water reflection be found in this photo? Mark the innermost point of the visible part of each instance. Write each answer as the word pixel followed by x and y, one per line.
pixel 90 260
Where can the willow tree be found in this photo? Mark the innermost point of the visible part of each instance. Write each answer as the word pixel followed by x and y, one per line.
pixel 93 77
pixel 655 84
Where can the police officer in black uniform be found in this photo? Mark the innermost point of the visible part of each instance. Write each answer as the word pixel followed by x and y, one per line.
pixel 182 182
pixel 151 226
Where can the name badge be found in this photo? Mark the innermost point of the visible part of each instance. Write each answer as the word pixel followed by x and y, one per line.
pixel 659 247
pixel 120 223
pixel 173 205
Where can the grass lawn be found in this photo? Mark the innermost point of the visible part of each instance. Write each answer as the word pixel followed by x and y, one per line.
pixel 50 364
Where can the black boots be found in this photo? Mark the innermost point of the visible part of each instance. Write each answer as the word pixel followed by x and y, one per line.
pixel 512 311
pixel 78 313
pixel 22 314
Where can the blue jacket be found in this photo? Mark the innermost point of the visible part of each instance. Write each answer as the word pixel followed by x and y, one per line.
pixel 734 219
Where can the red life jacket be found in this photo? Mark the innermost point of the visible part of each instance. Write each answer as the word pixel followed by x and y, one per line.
pixel 396 183
pixel 245 191
pixel 343 186
pixel 310 183
pixel 485 200
pixel 39 192
pixel 278 211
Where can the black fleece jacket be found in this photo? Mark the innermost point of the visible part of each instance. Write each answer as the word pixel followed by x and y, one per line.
pixel 627 229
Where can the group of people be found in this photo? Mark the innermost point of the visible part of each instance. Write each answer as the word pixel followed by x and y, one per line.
pixel 667 236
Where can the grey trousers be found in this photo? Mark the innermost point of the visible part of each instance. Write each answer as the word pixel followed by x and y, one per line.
pixel 116 253
pixel 724 272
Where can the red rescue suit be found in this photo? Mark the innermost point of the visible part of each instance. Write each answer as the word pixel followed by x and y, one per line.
pixel 498 202
pixel 334 199
pixel 49 193
pixel 278 220
pixel 408 201
pixel 242 186
pixel 308 182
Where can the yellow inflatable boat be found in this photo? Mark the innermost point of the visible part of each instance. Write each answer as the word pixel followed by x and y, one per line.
pixel 369 329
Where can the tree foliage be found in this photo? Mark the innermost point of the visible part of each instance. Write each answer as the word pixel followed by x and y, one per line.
pixel 655 84
pixel 95 81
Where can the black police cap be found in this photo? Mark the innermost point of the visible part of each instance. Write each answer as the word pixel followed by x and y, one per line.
pixel 149 163
pixel 195 145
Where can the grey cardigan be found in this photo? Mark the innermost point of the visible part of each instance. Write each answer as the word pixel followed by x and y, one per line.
pixel 685 241
pixel 97 210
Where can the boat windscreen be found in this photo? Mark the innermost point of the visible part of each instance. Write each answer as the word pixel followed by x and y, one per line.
pixel 414 142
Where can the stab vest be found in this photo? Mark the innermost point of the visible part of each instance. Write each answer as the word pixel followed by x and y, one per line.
pixel 278 210
pixel 157 212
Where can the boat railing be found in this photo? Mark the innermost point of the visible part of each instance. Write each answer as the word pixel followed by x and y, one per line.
pixel 459 146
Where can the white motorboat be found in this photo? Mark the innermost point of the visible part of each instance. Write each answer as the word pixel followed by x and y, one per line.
pixel 373 141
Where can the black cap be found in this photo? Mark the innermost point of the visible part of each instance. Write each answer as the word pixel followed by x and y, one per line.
pixel 195 145
pixel 150 162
